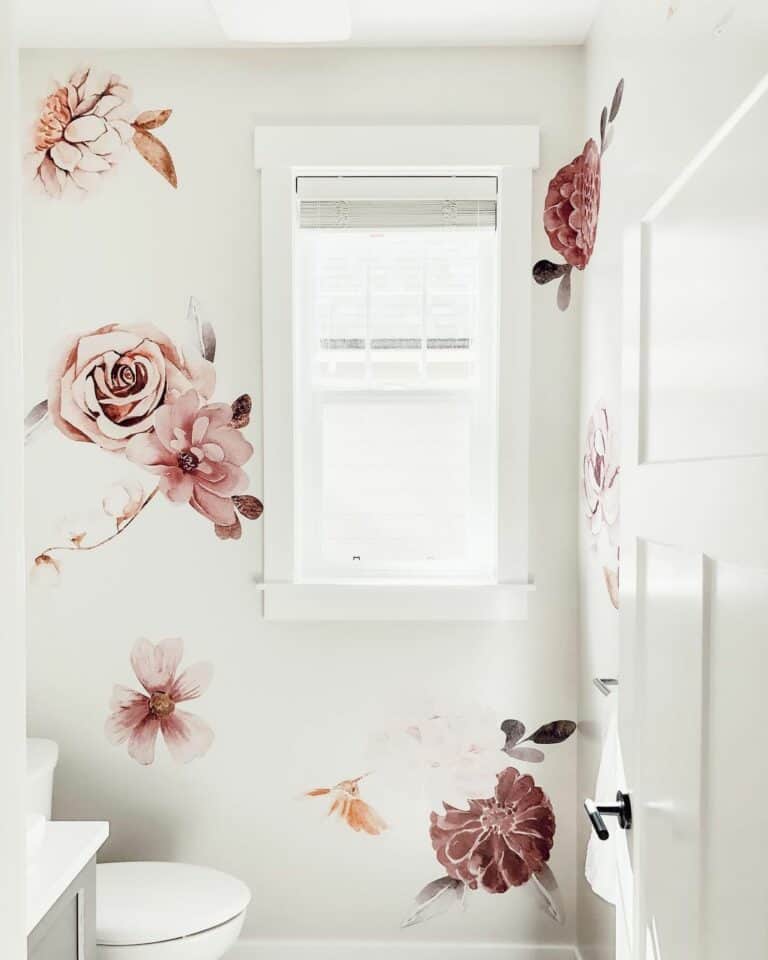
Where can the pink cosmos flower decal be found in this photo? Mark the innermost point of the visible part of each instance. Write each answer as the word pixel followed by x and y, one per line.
pixel 198 454
pixel 572 207
pixel 500 842
pixel 137 718
pixel 83 128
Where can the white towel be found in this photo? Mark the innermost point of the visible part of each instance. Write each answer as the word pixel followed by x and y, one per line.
pixel 601 865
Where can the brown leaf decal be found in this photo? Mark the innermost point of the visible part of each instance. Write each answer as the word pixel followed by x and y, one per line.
pixel 156 154
pixel 617 98
pixel 554 732
pixel 250 507
pixel 514 730
pixel 152 119
pixel 241 411
pixel 436 898
pixel 232 532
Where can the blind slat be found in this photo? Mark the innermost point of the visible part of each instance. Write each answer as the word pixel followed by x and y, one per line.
pixel 410 213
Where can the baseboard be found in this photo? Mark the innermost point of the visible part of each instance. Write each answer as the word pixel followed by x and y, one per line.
pixel 393 950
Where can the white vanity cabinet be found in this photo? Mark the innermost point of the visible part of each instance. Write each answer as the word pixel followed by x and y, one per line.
pixel 61 892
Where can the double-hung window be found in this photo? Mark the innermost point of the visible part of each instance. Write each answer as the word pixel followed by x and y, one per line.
pixel 395 480
pixel 395 375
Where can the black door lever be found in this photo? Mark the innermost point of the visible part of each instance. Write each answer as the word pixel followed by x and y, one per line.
pixel 622 810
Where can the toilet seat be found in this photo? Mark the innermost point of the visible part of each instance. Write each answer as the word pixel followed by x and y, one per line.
pixel 152 902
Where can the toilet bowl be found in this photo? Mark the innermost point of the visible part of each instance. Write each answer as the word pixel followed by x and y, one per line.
pixel 166 911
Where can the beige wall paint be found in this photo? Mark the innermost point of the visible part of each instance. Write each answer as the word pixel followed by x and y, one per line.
pixel 685 75
pixel 293 705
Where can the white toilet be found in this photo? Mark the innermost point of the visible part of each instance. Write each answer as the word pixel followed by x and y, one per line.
pixel 166 911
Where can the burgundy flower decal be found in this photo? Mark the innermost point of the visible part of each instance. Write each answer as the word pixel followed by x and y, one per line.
pixel 572 208
pixel 84 127
pixel 500 842
pixel 132 391
pixel 137 718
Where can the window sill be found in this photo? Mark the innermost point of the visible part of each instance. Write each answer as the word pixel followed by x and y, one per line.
pixel 447 602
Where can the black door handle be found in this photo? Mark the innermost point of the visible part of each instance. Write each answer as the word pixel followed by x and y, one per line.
pixel 622 810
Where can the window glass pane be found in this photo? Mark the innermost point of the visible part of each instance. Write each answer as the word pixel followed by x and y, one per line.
pixel 395 335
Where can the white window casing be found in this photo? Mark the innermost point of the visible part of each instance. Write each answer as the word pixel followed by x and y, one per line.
pixel 324 183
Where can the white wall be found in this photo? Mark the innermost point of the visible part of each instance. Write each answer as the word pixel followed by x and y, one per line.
pixel 685 75
pixel 293 705
pixel 12 757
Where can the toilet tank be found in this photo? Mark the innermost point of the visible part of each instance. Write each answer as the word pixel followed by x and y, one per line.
pixel 42 756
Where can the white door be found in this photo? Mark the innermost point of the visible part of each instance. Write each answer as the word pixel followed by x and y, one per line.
pixel 694 619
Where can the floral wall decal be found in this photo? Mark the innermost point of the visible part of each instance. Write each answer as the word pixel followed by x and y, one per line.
pixel 137 718
pixel 498 842
pixel 84 127
pixel 131 391
pixel 555 732
pixel 347 804
pixel 470 751
pixel 572 208
pixel 600 492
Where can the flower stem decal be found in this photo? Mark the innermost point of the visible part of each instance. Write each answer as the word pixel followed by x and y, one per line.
pixel 572 208
pixel 85 125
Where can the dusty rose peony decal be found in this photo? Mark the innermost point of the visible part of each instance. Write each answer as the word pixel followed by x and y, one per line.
pixel 348 805
pixel 137 718
pixel 83 128
pixel 572 207
pixel 500 842
pixel 600 493
pixel 198 454
pixel 132 391
pixel 110 383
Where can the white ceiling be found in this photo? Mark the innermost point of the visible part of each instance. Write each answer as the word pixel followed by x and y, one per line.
pixel 192 23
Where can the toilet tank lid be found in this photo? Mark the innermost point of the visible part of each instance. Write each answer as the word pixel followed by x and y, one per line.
pixel 149 902
pixel 42 757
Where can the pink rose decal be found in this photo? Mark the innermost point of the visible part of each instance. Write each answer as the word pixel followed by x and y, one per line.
pixel 83 128
pixel 572 208
pixel 198 454
pixel 600 473
pixel 130 390
pixel 500 842
pixel 137 718
pixel 110 383
pixel 600 494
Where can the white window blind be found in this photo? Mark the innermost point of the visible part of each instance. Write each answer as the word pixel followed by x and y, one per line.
pixel 395 381
pixel 396 202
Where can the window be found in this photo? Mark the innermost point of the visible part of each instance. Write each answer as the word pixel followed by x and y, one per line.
pixel 395 414
pixel 395 340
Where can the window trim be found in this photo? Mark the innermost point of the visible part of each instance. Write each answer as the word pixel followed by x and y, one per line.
pixel 282 153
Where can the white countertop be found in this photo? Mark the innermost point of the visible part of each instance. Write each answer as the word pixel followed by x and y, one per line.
pixel 66 848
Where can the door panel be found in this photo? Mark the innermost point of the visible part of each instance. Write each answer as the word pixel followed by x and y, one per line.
pixel 694 614
pixel 667 796
pixel 736 778
pixel 707 336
